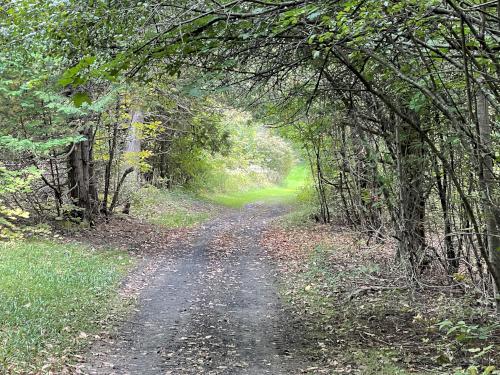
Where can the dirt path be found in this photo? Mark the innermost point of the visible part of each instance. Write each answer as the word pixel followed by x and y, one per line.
pixel 211 308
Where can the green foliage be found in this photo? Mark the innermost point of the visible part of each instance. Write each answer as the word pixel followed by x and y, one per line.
pixel 16 180
pixel 305 207
pixel 463 332
pixel 469 340
pixel 13 182
pixel 52 296
pixel 376 362
pixel 255 158
pixel 73 75
pixel 80 98
pixel 39 148
pixel 8 217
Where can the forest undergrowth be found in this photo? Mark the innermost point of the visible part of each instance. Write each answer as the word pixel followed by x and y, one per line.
pixel 364 315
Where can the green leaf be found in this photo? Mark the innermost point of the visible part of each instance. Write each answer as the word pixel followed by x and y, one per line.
pixel 314 15
pixel 72 75
pixel 417 102
pixel 81 97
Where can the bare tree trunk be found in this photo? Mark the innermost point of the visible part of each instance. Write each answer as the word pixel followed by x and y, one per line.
pixel 109 165
pixel 323 200
pixel 411 233
pixel 133 143
pixel 490 192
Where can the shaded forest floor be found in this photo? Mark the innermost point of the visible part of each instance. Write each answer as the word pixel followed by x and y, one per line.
pixel 246 292
pixel 364 316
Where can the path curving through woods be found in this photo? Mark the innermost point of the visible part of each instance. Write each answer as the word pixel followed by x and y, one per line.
pixel 211 307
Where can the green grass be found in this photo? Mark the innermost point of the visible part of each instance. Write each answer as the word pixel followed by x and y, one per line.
pixel 378 362
pixel 52 296
pixel 179 219
pixel 171 209
pixel 287 192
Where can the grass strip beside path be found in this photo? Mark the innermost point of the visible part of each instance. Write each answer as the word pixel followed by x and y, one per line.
pixel 52 296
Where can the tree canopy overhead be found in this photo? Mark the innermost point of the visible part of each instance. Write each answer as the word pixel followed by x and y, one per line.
pixel 422 76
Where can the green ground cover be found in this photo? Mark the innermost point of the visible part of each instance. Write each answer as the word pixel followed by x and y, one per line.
pixel 287 192
pixel 52 297
pixel 170 209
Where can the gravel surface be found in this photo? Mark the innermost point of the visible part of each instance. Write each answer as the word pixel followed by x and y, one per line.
pixel 211 307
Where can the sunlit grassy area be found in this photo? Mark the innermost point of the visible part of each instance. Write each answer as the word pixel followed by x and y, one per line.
pixel 52 296
pixel 285 193
pixel 181 219
pixel 171 209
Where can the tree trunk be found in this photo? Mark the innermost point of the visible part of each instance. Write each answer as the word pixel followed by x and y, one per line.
pixel 132 166
pixel 81 179
pixel 411 231
pixel 117 191
pixel 453 263
pixel 133 145
pixel 323 200
pixel 490 192
pixel 109 165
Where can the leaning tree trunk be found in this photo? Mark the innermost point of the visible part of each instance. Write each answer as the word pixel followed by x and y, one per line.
pixel 81 179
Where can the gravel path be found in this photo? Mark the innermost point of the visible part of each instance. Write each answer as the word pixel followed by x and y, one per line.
pixel 211 308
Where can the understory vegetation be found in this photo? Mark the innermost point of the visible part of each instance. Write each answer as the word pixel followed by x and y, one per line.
pixel 172 209
pixel 365 319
